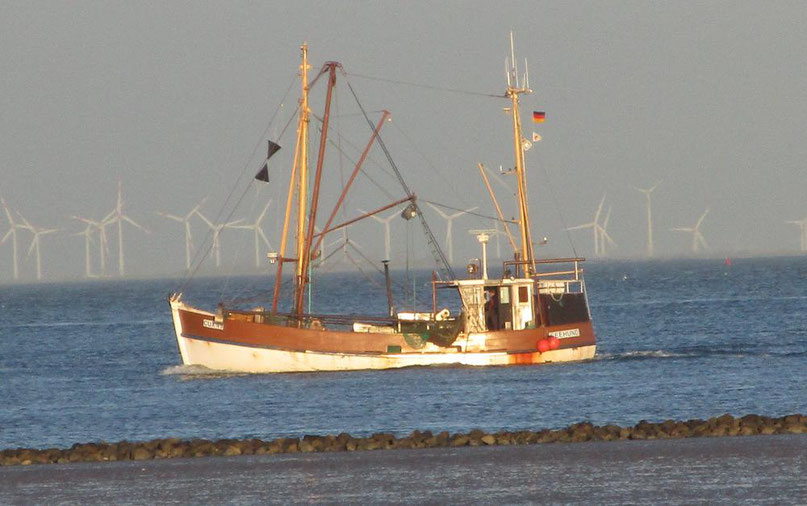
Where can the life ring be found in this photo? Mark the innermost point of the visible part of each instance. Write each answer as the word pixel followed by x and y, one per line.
pixel 315 324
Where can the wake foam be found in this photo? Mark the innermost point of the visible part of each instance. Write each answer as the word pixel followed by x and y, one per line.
pixel 196 371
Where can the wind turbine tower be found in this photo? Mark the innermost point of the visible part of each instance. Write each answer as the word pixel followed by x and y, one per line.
pixel 87 233
pixel 38 232
pixel 596 228
pixel 697 238
pixel 216 229
pixel 258 231
pixel 803 233
pixel 12 233
pixel 647 193
pixel 386 222
pixel 103 248
pixel 449 221
pixel 604 237
pixel 186 221
pixel 117 217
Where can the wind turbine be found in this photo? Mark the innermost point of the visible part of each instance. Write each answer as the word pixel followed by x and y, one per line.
pixel 697 238
pixel 595 227
pixel 647 193
pixel 803 236
pixel 38 232
pixel 604 232
pixel 116 216
pixel 449 221
pixel 87 233
pixel 386 222
pixel 342 245
pixel 497 233
pixel 103 248
pixel 258 231
pixel 186 220
pixel 12 233
pixel 216 229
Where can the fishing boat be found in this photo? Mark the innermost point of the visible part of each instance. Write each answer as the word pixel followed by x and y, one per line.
pixel 535 312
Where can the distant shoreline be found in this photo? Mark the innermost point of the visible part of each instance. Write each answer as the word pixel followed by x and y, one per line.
pixel 725 425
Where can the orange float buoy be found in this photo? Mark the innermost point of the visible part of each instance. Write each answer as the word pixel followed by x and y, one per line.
pixel 543 345
pixel 554 343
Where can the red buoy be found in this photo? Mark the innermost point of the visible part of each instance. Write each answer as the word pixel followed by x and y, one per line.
pixel 543 345
pixel 554 343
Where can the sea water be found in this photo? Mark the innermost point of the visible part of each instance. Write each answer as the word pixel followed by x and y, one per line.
pixel 97 361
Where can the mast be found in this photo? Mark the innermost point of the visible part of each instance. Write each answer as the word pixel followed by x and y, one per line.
pixel 302 181
pixel 304 260
pixel 513 91
pixel 297 185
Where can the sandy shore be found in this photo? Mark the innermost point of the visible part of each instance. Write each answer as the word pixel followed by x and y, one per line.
pixel 753 469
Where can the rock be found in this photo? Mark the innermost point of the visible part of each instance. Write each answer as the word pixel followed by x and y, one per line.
pixel 488 439
pixel 141 453
pixel 459 440
pixel 368 444
pixel 231 450
pixel 504 438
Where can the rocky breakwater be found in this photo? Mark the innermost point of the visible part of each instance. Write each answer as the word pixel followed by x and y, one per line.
pixel 725 425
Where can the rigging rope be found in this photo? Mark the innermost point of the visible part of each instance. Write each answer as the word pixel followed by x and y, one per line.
pixel 494 218
pixel 558 209
pixel 427 86
pixel 205 248
pixel 434 246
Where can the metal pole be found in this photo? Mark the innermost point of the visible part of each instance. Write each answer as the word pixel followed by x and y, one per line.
pixel 389 288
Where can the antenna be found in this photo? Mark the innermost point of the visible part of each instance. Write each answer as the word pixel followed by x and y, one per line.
pixel 513 59
pixel 526 75
pixel 507 70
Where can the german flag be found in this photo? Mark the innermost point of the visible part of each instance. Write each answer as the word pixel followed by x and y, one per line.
pixel 538 116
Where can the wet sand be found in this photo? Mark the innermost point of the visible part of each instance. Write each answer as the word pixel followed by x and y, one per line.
pixel 751 470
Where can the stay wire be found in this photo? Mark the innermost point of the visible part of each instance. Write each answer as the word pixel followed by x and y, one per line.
pixel 427 86
pixel 494 218
pixel 558 208
pixel 205 249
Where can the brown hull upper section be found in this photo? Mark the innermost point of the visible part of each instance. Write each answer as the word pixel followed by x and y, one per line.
pixel 202 326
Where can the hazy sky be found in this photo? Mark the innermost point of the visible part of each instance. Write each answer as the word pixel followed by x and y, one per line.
pixel 172 97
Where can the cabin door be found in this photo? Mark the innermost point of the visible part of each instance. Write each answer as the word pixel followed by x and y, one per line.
pixel 505 308
pixel 522 304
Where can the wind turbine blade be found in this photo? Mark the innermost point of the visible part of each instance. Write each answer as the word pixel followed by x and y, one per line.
pixel 699 237
pixel 263 213
pixel 109 218
pixel 25 224
pixel 171 216
pixel 133 223
pixel 8 212
pixel 580 227
pixel 34 242
pixel 607 217
pixel 608 238
pixel 599 209
pixel 682 229
pixel 438 210
pixel 265 240
pixel 204 218
pixel 700 220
